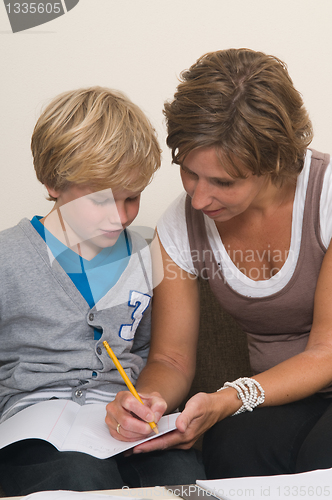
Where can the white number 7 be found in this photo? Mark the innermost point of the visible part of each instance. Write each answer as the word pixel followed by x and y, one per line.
pixel 141 302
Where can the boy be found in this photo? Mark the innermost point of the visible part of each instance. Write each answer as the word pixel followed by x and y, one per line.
pixel 75 278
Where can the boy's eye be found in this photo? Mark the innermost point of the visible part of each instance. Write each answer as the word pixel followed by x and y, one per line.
pixel 100 202
pixel 133 198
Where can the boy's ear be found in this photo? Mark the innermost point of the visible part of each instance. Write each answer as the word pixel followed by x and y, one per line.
pixel 52 192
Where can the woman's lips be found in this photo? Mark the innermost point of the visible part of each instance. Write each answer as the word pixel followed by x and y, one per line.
pixel 213 213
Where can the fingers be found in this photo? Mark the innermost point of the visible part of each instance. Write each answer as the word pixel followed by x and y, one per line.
pixel 124 425
pixel 157 405
pixel 173 439
pixel 194 413
pixel 195 419
pixel 127 418
pixel 169 440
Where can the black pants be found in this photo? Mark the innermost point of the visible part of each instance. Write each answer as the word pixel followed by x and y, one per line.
pixel 296 437
pixel 34 465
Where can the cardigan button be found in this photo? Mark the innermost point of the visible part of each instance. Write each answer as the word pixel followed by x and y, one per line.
pixel 91 317
pixel 99 351
pixel 78 393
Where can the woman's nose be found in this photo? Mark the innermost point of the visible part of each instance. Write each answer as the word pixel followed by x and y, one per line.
pixel 201 197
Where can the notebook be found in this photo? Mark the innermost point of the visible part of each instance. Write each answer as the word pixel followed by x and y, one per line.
pixel 71 427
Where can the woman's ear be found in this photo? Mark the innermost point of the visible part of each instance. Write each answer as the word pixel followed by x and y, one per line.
pixel 52 192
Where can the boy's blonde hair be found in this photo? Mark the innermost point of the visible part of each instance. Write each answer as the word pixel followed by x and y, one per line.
pixel 94 136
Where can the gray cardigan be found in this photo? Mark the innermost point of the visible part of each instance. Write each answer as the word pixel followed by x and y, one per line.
pixel 46 326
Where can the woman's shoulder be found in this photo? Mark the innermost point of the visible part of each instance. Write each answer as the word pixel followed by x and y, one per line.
pixel 173 234
pixel 175 212
pixel 172 224
pixel 325 209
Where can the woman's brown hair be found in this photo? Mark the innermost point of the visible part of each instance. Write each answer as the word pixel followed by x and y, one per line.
pixel 245 105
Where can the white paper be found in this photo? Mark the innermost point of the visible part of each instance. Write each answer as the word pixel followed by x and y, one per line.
pixel 71 427
pixel 306 486
pixel 73 495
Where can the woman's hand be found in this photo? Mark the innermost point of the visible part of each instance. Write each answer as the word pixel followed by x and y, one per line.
pixel 127 418
pixel 201 412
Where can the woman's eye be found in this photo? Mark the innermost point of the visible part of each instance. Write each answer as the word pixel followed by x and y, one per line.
pixel 188 172
pixel 225 184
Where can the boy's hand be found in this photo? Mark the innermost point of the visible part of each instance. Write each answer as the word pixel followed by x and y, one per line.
pixel 127 418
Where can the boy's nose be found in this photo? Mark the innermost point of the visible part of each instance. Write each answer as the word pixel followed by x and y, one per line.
pixel 117 215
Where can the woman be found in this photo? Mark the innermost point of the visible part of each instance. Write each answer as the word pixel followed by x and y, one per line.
pixel 255 223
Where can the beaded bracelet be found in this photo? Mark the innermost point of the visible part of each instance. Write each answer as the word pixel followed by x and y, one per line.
pixel 247 390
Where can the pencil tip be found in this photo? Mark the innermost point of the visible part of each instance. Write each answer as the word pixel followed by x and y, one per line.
pixel 155 430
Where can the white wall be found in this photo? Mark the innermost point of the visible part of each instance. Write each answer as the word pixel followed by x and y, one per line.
pixel 140 47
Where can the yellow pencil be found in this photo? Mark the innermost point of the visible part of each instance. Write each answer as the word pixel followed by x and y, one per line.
pixel 130 386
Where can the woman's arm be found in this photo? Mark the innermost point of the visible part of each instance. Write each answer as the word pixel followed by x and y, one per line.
pixel 175 324
pixel 291 380
pixel 167 377
pixel 171 363
pixel 311 370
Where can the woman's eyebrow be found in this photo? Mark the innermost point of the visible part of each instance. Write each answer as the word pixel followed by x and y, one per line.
pixel 213 179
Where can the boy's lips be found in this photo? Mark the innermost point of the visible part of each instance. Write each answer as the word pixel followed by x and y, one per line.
pixel 112 232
